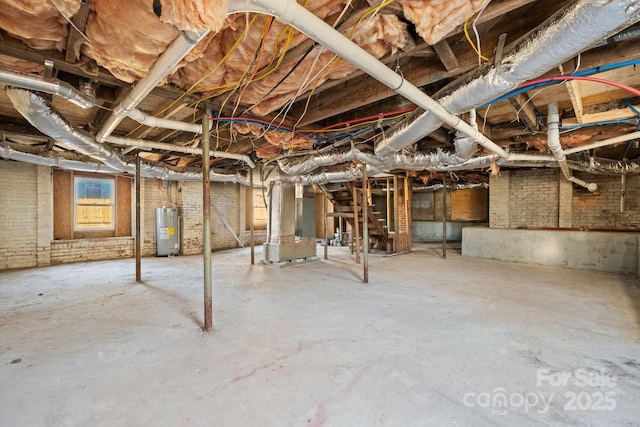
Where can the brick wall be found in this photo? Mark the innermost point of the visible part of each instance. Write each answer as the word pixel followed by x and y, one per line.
pixel 544 198
pixel 67 251
pixel 534 198
pixel 602 208
pixel 18 215
pixel 26 219
pixel 499 200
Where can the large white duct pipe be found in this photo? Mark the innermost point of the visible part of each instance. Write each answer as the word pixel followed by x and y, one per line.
pixel 578 27
pixel 290 12
pixel 177 50
pixel 39 113
pixel 553 140
pixel 141 143
pixel 51 86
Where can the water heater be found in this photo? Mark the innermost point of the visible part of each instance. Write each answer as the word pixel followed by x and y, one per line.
pixel 167 232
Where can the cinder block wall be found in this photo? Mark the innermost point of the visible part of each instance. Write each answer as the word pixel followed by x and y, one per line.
pixel 539 198
pixel 26 219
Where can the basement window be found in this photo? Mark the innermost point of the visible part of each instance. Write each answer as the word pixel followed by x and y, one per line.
pixel 94 203
pixel 90 205
pixel 259 210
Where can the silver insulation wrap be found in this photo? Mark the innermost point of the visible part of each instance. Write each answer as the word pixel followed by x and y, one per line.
pixel 581 25
pixel 605 166
pixel 39 113
pixel 53 161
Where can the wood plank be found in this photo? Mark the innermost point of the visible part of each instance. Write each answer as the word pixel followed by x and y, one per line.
pixel 62 204
pixel 446 55
pixel 525 110
pixel 75 38
pixel 123 206
pixel 616 114
pixel 340 215
pixel 573 89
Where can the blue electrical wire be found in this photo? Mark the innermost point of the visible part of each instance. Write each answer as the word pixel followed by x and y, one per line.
pixel 583 73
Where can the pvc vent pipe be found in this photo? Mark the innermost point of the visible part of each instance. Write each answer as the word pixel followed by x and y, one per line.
pixel 553 141
pixel 176 51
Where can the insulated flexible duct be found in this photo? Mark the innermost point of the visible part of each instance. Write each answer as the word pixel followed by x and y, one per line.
pixel 577 28
pixel 39 113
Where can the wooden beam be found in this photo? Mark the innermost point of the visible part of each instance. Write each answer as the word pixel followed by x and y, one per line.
pixel 525 110
pixel 576 98
pixel 75 39
pixel 446 55
pixel 340 215
pixel 364 90
pixel 616 114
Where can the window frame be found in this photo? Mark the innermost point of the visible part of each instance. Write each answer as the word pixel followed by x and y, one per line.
pixel 258 204
pixel 76 204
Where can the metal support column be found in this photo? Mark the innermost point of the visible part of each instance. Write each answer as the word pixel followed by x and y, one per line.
pixel 444 215
pixel 356 223
pixel 206 224
pixel 396 215
pixel 365 224
pixel 326 232
pixel 138 225
pixel 251 213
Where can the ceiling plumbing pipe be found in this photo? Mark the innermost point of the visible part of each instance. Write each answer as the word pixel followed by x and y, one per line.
pixel 605 142
pixel 290 12
pixel 553 141
pixel 141 143
pixel 39 113
pixel 575 29
pixel 156 122
pixel 176 51
pixel 51 86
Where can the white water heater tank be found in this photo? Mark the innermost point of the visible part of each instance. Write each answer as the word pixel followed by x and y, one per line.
pixel 167 232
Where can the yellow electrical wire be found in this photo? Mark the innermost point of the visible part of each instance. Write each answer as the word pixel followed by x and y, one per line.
pixel 468 37
pixel 355 125
pixel 335 58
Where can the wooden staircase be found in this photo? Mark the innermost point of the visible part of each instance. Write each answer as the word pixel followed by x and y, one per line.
pixel 347 202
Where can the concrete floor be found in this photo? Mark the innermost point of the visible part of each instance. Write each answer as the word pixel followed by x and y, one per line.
pixel 427 342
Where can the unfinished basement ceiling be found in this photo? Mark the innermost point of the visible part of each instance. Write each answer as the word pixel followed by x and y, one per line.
pixel 274 92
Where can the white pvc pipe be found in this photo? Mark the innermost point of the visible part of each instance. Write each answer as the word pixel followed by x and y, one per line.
pixel 156 122
pixel 141 143
pixel 177 50
pixel 604 143
pixel 553 140
pixel 290 12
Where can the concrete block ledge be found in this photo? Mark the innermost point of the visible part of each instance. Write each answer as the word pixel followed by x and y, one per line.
pixel 594 250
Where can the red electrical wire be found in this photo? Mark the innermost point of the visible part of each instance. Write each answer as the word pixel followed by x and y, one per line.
pixel 257 122
pixel 363 119
pixel 630 89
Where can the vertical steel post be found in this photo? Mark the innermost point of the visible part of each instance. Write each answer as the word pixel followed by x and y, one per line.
pixel 206 224
pixel 138 225
pixel 396 215
pixel 356 223
pixel 326 232
pixel 444 215
pixel 251 213
pixel 365 223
